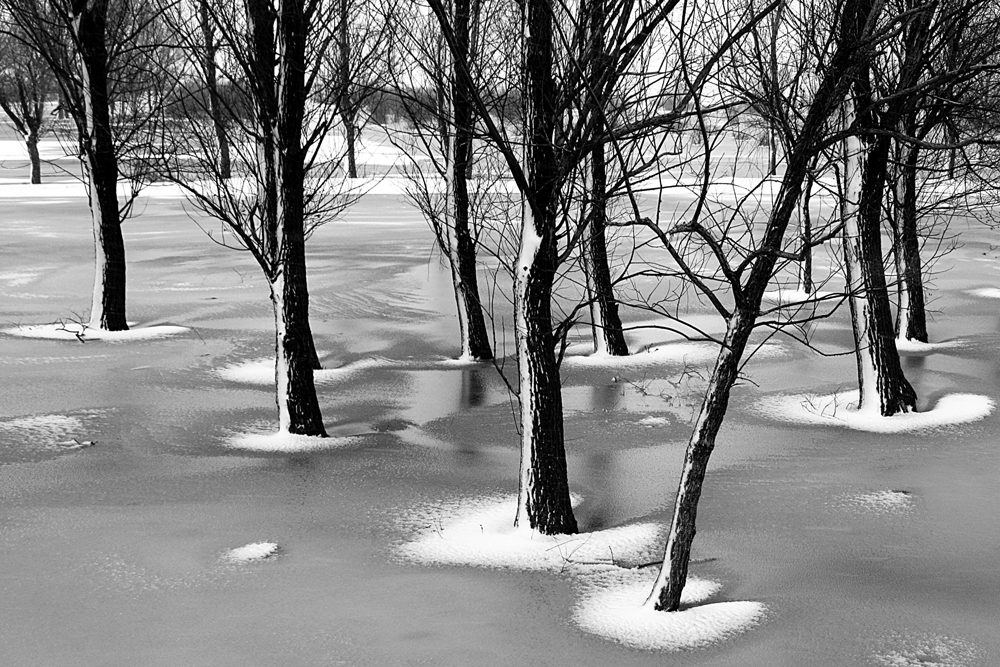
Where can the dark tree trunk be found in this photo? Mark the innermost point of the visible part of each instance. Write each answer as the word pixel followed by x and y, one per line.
pixel 666 594
pixel 609 336
pixel 296 355
pixel 348 113
pixel 805 233
pixel 895 394
pixel 31 141
pixel 101 168
pixel 543 497
pixel 913 318
pixel 215 106
pixel 475 339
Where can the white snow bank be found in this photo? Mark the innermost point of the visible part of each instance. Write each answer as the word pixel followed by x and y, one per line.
pixel 261 371
pixel 881 502
pixel 839 410
pixel 77 331
pixel 251 552
pixel 668 353
pixel 986 292
pixel 615 610
pixel 481 533
pixel 282 441
pixel 793 296
pixel 915 346
pixel 42 427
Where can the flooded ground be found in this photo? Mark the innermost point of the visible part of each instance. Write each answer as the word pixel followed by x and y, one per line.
pixel 866 549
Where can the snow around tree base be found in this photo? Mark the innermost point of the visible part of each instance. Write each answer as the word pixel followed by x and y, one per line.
pixel 616 610
pixel 82 332
pixel 840 410
pixel 284 442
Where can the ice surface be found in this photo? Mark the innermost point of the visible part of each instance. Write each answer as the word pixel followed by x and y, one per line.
pixel 838 410
pixel 481 532
pixel 251 552
pixel 881 502
pixel 986 292
pixel 613 607
pixel 261 371
pixel 668 353
pixel 77 331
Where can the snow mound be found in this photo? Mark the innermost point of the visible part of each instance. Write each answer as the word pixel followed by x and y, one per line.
pixel 794 296
pixel 915 346
pixel 653 422
pixel 986 292
pixel 882 502
pixel 927 650
pixel 668 353
pixel 251 552
pixel 481 533
pixel 77 331
pixel 617 612
pixel 47 428
pixel 283 441
pixel 261 371
pixel 839 410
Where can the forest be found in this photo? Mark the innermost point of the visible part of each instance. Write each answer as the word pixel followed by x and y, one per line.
pixel 495 331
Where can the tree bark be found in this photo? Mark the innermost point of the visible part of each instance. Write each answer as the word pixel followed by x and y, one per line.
pixel 609 337
pixel 215 107
pixel 805 236
pixel 913 317
pixel 31 141
pixel 543 495
pixel 298 406
pixel 101 168
pixel 348 113
pixel 472 323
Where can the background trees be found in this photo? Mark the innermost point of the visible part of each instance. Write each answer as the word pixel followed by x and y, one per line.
pixel 26 87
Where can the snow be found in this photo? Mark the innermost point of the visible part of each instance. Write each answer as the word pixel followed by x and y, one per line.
pixel 261 371
pixel 615 610
pixel 927 650
pixel 285 442
pixel 882 502
pixel 42 427
pixel 251 552
pixel 906 345
pixel 838 410
pixel 480 532
pixel 793 296
pixel 668 353
pixel 78 331
pixel 652 422
pixel 986 292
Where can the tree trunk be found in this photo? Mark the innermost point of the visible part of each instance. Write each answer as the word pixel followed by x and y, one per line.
pixel 472 323
pixel 913 317
pixel 609 337
pixel 101 169
pixel 543 495
pixel 215 106
pixel 891 393
pixel 348 113
pixel 298 406
pixel 805 237
pixel 31 141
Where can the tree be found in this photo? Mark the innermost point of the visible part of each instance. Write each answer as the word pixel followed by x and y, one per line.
pixel 283 184
pixel 852 37
pixel 26 83
pixel 100 54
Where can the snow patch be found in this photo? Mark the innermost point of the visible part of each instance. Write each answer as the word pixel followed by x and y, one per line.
pixel 669 353
pixel 18 278
pixel 653 422
pixel 481 533
pixel 986 292
pixel 78 331
pixel 927 650
pixel 251 552
pixel 47 428
pixel 261 371
pixel 615 610
pixel 794 296
pixel 881 502
pixel 907 345
pixel 282 441
pixel 840 410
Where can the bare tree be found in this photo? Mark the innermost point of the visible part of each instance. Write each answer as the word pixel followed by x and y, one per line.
pixel 26 84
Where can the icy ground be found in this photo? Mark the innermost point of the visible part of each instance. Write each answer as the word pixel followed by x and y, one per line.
pixel 865 548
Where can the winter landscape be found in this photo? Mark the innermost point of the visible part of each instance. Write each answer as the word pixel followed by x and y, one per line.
pixel 481 431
